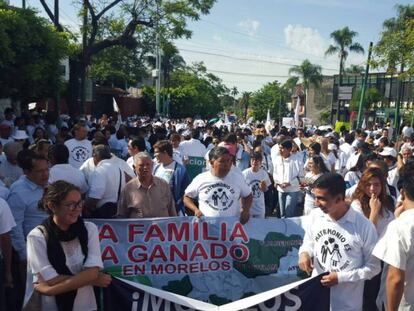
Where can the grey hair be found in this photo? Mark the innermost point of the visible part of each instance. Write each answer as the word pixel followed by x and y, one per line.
pixel 141 155
pixel 12 148
pixel 405 148
pixel 102 152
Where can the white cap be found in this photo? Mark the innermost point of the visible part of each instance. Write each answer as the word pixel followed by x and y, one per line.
pixel 388 152
pixel 332 147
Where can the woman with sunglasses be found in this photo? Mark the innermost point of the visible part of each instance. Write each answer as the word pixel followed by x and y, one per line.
pixel 63 253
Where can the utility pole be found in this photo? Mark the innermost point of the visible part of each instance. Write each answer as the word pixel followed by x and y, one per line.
pixel 158 78
pixel 398 102
pixel 82 65
pixel 23 4
pixel 364 86
pixel 56 23
pixel 56 14
pixel 158 65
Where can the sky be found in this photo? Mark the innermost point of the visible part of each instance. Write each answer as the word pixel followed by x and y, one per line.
pixel 248 43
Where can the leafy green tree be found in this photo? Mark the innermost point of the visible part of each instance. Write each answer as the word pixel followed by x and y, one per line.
pixel 372 96
pixel 30 54
pixel 343 45
pixel 245 101
pixel 268 97
pixel 168 19
pixel 170 60
pixel 310 74
pixel 394 50
pixel 193 91
pixel 354 70
pixel 117 66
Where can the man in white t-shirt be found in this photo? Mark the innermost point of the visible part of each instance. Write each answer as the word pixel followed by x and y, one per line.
pixel 396 248
pixel 80 148
pixel 258 180
pixel 192 147
pixel 338 240
pixel 407 131
pixel 106 181
pixel 62 170
pixel 287 169
pixel 220 190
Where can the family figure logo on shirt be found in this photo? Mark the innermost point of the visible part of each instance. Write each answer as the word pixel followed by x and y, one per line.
pixel 220 197
pixel 80 154
pixel 256 192
pixel 333 250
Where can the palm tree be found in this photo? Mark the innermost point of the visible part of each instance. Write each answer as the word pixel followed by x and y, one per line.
pixel 354 70
pixel 233 92
pixel 343 45
pixel 310 74
pixel 244 101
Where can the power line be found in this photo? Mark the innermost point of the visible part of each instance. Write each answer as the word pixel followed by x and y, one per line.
pixel 226 28
pixel 247 74
pixel 246 59
pixel 223 50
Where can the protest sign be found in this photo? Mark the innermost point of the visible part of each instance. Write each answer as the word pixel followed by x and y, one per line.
pixel 305 295
pixel 216 260
pixel 195 166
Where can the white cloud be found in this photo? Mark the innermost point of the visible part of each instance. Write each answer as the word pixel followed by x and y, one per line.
pixel 217 38
pixel 305 39
pixel 249 26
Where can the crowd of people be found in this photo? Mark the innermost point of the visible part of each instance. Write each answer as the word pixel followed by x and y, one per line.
pixel 356 189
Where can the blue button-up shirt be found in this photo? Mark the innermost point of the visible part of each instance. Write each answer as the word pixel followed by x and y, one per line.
pixel 23 200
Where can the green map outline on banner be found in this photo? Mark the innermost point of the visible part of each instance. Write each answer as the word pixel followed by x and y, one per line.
pixel 216 260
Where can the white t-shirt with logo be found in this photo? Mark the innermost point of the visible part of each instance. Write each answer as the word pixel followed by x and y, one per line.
pixel 165 172
pixel 79 151
pixel 253 179
pixel 218 196
pixel 343 246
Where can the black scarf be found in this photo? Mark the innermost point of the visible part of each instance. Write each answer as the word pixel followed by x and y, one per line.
pixel 57 257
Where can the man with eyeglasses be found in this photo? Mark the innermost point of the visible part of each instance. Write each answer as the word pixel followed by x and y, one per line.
pixel 23 200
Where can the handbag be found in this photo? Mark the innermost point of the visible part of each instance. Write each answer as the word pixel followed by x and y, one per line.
pixel 109 209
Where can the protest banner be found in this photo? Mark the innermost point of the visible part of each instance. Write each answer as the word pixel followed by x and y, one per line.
pixel 195 166
pixel 305 295
pixel 216 260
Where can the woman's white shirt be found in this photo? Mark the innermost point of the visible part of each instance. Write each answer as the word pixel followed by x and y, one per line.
pixel 38 264
pixel 383 220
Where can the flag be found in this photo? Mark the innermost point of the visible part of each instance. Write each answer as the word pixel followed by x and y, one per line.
pixel 116 109
pixel 268 124
pixel 364 124
pixel 297 111
pixel 115 105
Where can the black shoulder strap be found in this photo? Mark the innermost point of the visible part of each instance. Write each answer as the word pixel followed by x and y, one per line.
pixel 43 230
pixel 120 183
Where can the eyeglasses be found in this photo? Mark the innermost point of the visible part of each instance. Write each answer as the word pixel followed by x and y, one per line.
pixel 73 205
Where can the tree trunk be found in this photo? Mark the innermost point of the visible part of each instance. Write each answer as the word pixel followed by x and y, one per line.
pixel 74 90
